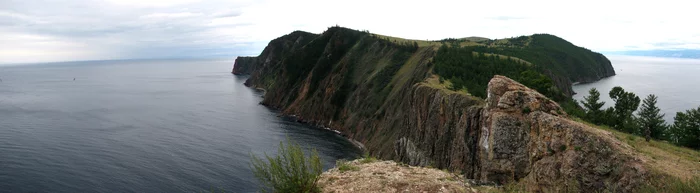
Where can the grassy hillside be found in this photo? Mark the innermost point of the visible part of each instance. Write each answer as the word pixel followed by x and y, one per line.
pixel 556 58
pixel 674 169
pixel 664 157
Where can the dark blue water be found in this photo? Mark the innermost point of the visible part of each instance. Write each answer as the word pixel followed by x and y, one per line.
pixel 139 126
pixel 675 81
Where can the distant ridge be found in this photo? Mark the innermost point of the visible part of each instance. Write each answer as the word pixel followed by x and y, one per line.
pixel 681 53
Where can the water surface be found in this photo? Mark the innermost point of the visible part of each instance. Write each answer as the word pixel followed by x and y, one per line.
pixel 675 81
pixel 139 126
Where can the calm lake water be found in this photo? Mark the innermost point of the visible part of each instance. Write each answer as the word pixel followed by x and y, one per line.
pixel 140 126
pixel 675 81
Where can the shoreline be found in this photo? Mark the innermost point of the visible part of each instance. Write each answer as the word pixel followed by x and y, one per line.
pixel 298 119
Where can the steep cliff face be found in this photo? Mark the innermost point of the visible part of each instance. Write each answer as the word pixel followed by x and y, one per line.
pixel 269 60
pixel 441 129
pixel 244 65
pixel 383 94
pixel 516 135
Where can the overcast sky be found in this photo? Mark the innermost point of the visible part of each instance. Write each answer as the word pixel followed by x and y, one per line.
pixel 58 30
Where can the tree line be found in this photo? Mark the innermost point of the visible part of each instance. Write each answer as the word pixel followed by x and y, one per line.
pixel 647 122
pixel 469 70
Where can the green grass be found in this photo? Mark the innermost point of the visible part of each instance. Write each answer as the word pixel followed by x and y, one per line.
pixel 670 184
pixel 682 152
pixel 421 43
pixel 672 168
pixel 344 166
pixel 367 159
pixel 504 57
pixel 433 82
pixel 288 171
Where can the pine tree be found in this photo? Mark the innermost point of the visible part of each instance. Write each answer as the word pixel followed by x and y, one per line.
pixel 625 105
pixel 686 128
pixel 593 106
pixel 650 118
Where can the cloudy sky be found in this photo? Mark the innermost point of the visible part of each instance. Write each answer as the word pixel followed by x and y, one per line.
pixel 58 30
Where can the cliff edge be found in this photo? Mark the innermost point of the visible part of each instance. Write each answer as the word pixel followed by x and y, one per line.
pixel 383 93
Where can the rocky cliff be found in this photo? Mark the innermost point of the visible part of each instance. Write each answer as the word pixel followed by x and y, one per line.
pixel 244 65
pixel 526 136
pixel 516 135
pixel 383 93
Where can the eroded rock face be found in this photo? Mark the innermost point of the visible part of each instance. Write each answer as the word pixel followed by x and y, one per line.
pixel 526 136
pixel 407 152
pixel 444 126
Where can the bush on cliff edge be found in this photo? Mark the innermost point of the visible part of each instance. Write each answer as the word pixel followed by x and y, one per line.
pixel 290 170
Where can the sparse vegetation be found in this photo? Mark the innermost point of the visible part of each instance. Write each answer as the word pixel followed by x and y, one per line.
pixel 289 171
pixel 670 184
pixel 513 187
pixel 344 166
pixel 389 176
pixel 673 167
pixel 368 159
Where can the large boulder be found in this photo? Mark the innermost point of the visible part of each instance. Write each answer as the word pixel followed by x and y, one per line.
pixel 526 136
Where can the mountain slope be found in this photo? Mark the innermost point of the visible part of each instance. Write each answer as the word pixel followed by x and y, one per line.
pixel 384 93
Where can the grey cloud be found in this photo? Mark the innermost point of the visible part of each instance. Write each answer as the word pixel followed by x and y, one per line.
pixel 234 13
pixel 100 24
pixel 506 18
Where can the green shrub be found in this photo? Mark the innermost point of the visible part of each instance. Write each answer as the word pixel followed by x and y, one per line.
pixel 526 110
pixel 290 170
pixel 368 159
pixel 514 187
pixel 344 166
